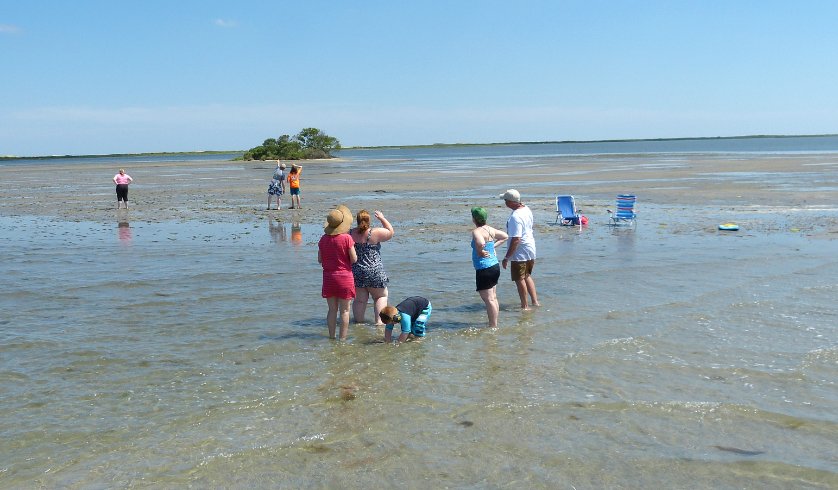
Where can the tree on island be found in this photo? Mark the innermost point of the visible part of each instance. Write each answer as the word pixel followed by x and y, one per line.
pixel 307 144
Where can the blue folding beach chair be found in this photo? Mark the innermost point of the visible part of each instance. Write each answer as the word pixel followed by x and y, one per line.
pixel 625 210
pixel 566 211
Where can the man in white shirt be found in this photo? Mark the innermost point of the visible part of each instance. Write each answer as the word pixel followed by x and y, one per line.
pixel 521 249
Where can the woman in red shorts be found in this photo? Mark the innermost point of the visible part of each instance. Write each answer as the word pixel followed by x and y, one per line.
pixel 336 253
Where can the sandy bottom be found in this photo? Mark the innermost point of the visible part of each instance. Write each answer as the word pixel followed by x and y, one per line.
pixel 182 343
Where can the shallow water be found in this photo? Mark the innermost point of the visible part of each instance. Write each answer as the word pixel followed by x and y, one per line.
pixel 171 354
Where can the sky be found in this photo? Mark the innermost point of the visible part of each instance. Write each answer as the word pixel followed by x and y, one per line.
pixel 101 77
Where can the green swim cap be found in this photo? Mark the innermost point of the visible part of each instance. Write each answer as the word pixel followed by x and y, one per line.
pixel 479 214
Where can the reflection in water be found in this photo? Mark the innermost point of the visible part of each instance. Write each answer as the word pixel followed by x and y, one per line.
pixel 277 231
pixel 625 242
pixel 296 233
pixel 124 232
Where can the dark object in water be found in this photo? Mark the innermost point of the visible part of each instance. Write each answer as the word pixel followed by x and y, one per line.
pixel 736 450
pixel 466 423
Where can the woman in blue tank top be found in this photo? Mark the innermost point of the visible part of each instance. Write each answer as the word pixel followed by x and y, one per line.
pixel 484 239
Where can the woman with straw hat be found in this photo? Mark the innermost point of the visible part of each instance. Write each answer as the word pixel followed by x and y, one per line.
pixel 336 253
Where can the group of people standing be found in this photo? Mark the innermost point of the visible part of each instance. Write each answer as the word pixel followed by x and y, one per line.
pixel 277 186
pixel 519 258
pixel 353 271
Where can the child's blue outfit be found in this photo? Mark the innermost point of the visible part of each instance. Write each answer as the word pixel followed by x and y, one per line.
pixel 415 312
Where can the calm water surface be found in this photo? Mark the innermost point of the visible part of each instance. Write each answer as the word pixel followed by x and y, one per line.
pixel 171 354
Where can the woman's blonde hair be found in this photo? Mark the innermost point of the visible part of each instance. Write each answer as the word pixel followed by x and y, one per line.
pixel 363 219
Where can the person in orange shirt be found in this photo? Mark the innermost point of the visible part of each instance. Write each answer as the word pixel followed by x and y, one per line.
pixel 294 185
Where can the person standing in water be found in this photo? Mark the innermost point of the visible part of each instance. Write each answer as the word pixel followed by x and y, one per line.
pixel 336 254
pixel 370 278
pixel 277 185
pixel 484 241
pixel 521 249
pixel 122 180
pixel 294 185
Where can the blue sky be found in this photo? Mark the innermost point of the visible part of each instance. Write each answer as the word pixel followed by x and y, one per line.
pixel 93 77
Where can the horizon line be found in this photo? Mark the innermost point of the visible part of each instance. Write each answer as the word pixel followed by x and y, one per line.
pixel 433 145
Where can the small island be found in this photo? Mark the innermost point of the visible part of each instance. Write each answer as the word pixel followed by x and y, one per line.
pixel 310 143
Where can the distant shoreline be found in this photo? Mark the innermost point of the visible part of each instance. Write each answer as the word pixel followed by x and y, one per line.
pixel 114 155
pixel 569 142
pixel 434 145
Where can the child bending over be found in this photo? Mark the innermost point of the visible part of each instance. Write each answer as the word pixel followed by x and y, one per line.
pixel 412 315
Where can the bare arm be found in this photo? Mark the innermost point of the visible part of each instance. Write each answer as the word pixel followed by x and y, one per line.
pixel 479 243
pixel 500 237
pixel 386 232
pixel 513 244
pixel 353 256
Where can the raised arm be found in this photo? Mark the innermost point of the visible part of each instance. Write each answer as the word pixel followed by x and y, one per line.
pixel 386 231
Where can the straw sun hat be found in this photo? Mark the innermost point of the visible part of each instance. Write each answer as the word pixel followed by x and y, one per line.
pixel 338 221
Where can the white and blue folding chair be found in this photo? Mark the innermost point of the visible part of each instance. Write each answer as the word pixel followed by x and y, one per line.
pixel 625 210
pixel 566 211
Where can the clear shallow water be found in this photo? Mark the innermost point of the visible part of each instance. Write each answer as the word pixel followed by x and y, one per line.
pixel 169 354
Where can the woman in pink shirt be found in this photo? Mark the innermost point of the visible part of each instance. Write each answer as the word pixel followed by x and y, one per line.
pixel 122 180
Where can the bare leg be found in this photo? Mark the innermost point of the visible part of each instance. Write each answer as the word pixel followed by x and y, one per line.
pixel 489 297
pixel 379 298
pixel 359 304
pixel 332 315
pixel 345 306
pixel 522 293
pixel 531 289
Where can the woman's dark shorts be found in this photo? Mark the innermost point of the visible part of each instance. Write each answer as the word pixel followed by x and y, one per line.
pixel 487 278
pixel 122 192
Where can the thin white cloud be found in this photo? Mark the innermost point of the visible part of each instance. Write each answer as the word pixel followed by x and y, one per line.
pixel 9 29
pixel 227 24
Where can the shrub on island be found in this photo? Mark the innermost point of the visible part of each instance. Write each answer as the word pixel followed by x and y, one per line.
pixel 307 144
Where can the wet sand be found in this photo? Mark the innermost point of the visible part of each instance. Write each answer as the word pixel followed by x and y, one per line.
pixel 691 190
